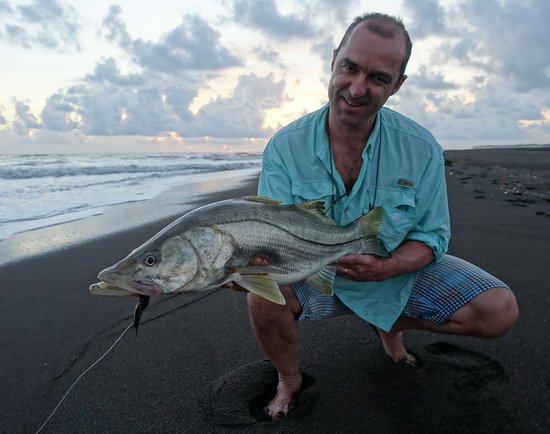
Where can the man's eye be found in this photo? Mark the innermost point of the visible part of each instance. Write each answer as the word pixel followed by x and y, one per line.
pixel 382 79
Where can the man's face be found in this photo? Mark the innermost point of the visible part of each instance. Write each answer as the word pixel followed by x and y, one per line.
pixel 365 73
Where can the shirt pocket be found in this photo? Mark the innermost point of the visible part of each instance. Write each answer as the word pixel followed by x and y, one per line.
pixel 303 191
pixel 399 214
pixel 402 198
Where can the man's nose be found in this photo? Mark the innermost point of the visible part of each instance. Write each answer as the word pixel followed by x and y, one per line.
pixel 358 87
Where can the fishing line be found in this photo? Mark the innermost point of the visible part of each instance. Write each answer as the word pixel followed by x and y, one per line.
pixel 82 375
pixel 112 346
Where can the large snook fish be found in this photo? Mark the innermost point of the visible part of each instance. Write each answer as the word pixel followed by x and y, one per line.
pixel 213 245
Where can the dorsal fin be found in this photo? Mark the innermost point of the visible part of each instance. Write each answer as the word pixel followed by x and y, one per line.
pixel 317 209
pixel 261 199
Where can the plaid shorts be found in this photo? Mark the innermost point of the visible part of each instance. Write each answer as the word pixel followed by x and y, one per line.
pixel 439 290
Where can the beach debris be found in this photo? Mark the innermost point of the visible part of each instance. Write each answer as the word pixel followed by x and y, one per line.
pixel 214 244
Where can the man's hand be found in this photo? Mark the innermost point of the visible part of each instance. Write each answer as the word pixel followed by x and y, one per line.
pixel 364 267
pixel 410 256
pixel 257 262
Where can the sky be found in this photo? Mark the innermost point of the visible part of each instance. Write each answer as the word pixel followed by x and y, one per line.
pixel 85 76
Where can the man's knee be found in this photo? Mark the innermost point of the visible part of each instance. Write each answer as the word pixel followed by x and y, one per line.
pixel 491 314
pixel 507 311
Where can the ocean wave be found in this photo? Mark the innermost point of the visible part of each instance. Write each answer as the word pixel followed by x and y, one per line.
pixel 35 171
pixel 39 190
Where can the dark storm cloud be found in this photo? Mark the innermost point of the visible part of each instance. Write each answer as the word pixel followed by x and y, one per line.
pixel 40 23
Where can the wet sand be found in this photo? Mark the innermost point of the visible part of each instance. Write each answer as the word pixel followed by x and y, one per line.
pixel 195 366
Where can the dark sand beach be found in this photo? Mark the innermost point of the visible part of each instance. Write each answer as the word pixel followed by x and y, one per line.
pixel 195 366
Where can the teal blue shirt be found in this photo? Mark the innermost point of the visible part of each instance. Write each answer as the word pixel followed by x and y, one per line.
pixel 410 186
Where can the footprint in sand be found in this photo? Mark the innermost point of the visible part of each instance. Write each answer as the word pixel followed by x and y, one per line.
pixel 475 370
pixel 239 397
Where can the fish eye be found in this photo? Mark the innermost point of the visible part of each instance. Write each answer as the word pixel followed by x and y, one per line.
pixel 150 260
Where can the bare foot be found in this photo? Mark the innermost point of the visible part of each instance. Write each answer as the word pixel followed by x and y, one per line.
pixel 395 348
pixel 287 389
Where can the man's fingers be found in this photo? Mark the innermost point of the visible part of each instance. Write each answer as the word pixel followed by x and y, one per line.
pixel 258 262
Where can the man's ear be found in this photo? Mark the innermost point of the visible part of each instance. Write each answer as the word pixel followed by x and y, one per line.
pixel 334 54
pixel 398 85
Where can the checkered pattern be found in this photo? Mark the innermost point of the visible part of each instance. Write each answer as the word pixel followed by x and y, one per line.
pixel 439 291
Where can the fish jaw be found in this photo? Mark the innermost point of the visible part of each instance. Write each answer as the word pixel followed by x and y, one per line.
pixel 144 286
pixel 104 288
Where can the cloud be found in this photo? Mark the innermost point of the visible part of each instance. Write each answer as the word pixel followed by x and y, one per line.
pixel 40 23
pixel 513 36
pixel 268 55
pixel 56 115
pixel 191 45
pixel 24 120
pixel 157 109
pixel 338 11
pixel 107 71
pixel 427 18
pixel 502 39
pixel 113 110
pixel 264 16
pixel 241 114
pixel 324 48
pixel 116 28
pixel 5 8
pixel 427 79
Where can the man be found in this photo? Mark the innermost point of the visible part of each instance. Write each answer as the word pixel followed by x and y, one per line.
pixel 356 155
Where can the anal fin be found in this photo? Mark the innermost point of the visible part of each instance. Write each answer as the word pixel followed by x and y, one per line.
pixel 323 280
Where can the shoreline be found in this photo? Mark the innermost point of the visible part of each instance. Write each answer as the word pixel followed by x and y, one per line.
pixel 168 205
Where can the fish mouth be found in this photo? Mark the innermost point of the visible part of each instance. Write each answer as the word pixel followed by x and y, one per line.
pixel 143 287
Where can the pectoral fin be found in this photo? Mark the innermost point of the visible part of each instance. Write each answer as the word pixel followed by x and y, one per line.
pixel 323 280
pixel 261 284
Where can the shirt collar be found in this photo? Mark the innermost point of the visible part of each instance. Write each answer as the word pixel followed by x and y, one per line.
pixel 374 139
pixel 322 142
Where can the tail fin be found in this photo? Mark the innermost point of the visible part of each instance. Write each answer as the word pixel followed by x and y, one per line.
pixel 370 225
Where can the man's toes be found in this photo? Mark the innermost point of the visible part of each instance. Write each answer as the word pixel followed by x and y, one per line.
pixel 410 360
pixel 275 412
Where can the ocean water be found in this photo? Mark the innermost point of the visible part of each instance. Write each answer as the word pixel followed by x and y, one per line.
pixel 42 190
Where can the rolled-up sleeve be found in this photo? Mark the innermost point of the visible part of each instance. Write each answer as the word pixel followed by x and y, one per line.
pixel 432 225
